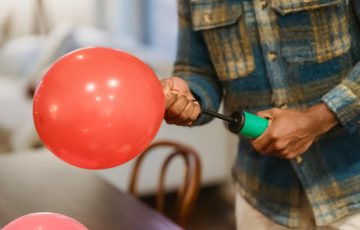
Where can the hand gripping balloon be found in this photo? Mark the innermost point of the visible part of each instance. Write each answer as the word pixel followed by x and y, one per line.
pixel 98 107
pixel 44 221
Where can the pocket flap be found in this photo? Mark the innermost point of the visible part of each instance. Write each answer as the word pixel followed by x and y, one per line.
pixel 211 14
pixel 291 6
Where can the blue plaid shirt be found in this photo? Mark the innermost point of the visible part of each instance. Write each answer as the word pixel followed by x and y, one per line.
pixel 259 54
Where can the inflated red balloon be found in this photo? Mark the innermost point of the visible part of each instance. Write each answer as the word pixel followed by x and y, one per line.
pixel 44 221
pixel 98 107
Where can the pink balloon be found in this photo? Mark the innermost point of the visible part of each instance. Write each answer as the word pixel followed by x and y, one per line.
pixel 44 221
pixel 98 107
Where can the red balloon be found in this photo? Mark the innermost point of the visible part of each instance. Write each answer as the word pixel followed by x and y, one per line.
pixel 44 221
pixel 98 107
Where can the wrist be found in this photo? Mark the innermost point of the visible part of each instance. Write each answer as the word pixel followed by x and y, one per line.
pixel 323 117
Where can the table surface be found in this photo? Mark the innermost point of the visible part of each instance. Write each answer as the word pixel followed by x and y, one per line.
pixel 43 183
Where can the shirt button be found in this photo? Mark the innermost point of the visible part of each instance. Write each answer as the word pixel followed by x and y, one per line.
pixel 207 18
pixel 298 159
pixel 272 56
pixel 263 4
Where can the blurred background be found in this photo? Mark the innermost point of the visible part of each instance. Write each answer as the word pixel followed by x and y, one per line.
pixel 34 33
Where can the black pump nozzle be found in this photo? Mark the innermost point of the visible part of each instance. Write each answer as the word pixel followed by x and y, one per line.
pixel 218 115
pixel 235 121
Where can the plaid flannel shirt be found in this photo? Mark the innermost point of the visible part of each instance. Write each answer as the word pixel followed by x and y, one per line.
pixel 258 54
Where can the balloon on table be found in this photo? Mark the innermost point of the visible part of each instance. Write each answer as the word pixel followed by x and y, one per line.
pixel 98 107
pixel 44 221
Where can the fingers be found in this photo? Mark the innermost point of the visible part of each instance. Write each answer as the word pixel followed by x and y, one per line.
pixel 182 112
pixel 181 115
pixel 263 142
pixel 180 107
pixel 176 108
pixel 272 141
pixel 195 114
pixel 175 85
pixel 265 114
pixel 298 148
pixel 291 150
pixel 276 147
pixel 170 97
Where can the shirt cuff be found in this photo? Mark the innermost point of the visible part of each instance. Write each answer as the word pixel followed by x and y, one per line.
pixel 206 94
pixel 345 103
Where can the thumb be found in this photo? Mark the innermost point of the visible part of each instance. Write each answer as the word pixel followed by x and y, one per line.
pixel 170 96
pixel 166 87
pixel 265 114
pixel 268 114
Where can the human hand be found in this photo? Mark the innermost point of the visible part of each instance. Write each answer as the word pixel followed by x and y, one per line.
pixel 180 105
pixel 291 133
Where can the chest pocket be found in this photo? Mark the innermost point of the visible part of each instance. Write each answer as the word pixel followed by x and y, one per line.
pixel 312 30
pixel 223 26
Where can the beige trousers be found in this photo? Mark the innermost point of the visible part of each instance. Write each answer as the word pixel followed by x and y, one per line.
pixel 248 218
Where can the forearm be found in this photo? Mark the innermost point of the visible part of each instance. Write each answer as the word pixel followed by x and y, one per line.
pixel 322 115
pixel 194 65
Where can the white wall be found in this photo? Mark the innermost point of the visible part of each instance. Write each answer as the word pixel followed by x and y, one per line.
pixel 163 24
pixel 23 15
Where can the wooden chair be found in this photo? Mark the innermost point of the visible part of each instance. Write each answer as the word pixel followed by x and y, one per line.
pixel 187 192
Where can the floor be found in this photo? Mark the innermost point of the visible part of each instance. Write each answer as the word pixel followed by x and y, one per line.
pixel 213 210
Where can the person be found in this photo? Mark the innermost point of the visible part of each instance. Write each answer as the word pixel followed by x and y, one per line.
pixel 297 63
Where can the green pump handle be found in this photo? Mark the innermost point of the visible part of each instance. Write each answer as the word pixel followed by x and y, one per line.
pixel 247 124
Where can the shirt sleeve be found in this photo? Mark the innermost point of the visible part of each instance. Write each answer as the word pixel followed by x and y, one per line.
pixel 193 64
pixel 344 99
pixel 356 6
